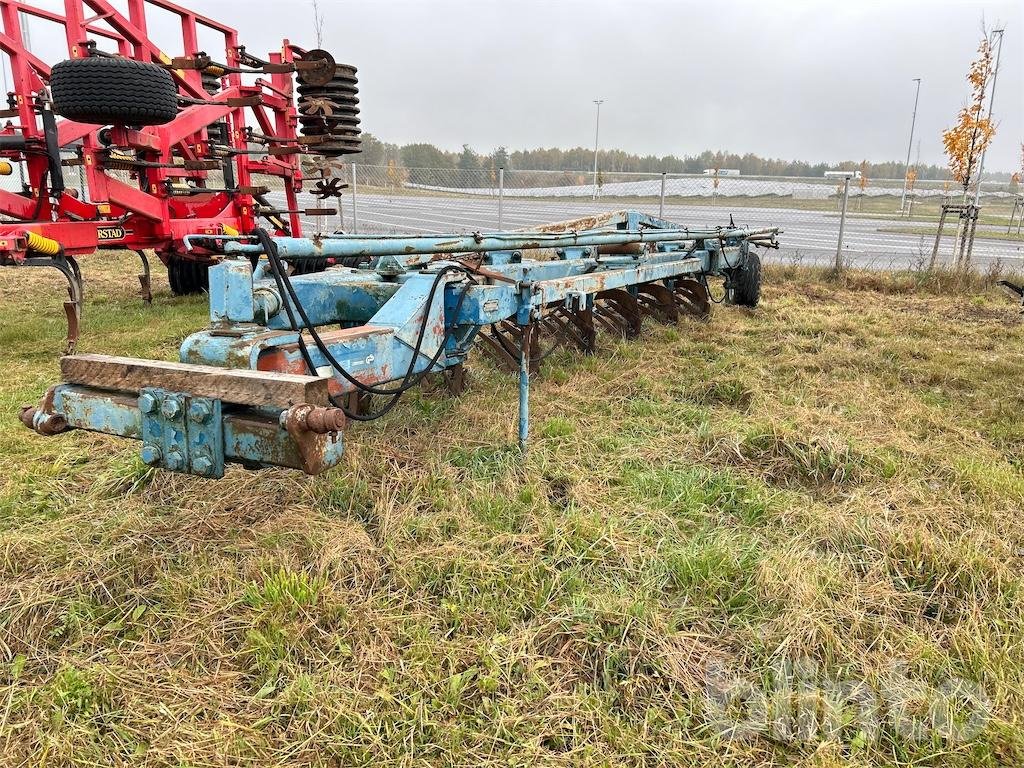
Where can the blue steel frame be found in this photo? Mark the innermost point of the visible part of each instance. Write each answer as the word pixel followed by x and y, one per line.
pixel 377 313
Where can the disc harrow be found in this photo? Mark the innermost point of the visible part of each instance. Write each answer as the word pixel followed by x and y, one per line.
pixel 329 112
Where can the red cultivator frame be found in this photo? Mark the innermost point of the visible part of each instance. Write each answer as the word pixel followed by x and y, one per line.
pixel 170 192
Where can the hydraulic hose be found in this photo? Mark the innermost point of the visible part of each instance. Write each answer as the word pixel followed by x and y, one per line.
pixel 292 305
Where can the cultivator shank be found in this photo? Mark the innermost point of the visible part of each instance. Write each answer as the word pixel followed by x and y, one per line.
pixel 289 360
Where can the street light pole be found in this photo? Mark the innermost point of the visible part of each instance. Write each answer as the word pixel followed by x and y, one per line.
pixel 597 134
pixel 991 99
pixel 910 144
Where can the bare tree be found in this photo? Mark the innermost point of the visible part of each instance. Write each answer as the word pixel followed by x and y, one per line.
pixel 318 24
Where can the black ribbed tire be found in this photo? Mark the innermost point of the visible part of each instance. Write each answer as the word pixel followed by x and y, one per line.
pixel 187 276
pixel 308 266
pixel 113 91
pixel 746 282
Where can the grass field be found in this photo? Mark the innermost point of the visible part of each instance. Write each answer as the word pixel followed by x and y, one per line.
pixel 787 536
pixel 949 230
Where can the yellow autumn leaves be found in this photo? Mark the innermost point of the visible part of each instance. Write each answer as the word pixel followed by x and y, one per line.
pixel 973 132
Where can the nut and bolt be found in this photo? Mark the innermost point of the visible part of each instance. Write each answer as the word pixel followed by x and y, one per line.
pixel 199 412
pixel 148 402
pixel 203 466
pixel 171 408
pixel 175 461
pixel 150 454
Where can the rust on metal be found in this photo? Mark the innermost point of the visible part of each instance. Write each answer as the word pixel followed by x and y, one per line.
pixel 314 418
pixel 310 446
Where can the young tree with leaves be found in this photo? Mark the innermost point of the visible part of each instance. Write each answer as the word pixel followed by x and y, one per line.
pixel 973 132
pixel 911 180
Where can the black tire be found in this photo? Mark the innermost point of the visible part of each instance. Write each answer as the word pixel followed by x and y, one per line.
pixel 308 266
pixel 746 282
pixel 187 276
pixel 113 91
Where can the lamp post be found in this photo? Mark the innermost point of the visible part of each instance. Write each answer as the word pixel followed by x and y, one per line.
pixel 597 134
pixel 906 165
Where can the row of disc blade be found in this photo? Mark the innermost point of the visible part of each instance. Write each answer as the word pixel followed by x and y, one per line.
pixel 331 112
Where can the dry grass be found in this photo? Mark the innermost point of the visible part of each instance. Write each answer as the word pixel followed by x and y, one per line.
pixel 831 483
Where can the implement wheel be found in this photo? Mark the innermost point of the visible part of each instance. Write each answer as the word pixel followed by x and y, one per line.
pixel 113 91
pixel 187 276
pixel 307 266
pixel 745 282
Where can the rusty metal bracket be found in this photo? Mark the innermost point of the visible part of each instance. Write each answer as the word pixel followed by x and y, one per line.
pixel 313 430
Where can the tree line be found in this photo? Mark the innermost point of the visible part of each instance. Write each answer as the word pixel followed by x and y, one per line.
pixel 581 160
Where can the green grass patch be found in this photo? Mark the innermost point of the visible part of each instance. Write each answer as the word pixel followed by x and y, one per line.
pixel 830 484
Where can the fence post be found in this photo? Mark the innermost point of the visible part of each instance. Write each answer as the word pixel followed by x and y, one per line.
pixel 355 215
pixel 501 193
pixel 842 224
pixel 661 202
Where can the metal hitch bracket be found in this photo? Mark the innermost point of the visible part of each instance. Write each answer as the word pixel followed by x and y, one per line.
pixel 181 432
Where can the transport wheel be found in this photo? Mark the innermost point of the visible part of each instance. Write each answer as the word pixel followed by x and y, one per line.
pixel 113 91
pixel 187 276
pixel 308 266
pixel 746 282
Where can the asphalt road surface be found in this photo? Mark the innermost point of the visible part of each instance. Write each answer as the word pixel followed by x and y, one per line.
pixel 808 237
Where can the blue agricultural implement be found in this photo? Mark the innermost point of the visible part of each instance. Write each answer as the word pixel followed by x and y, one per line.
pixel 290 359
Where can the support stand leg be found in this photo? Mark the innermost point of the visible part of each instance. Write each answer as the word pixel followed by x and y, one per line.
pixel 524 385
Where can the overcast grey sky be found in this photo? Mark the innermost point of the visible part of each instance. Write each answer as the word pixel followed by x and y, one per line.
pixel 800 79
pixel 794 79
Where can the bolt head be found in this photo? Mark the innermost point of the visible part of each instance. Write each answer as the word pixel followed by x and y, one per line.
pixel 171 408
pixel 203 466
pixel 148 402
pixel 175 461
pixel 199 412
pixel 150 454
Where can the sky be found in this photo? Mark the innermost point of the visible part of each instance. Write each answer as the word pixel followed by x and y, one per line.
pixel 812 80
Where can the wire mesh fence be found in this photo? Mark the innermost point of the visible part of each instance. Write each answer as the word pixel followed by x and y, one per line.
pixel 878 234
pixel 392 199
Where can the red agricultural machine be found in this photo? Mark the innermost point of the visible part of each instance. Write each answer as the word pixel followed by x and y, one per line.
pixel 172 152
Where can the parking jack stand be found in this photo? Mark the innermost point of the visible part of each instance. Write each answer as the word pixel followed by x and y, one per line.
pixel 524 384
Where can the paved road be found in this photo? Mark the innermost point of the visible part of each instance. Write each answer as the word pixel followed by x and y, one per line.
pixel 808 236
